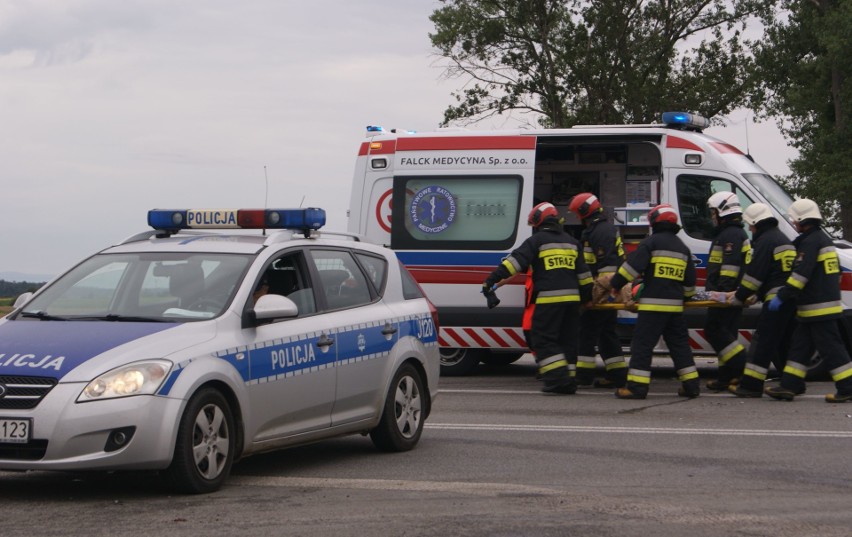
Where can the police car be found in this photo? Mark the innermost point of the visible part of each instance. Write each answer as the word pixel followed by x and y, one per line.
pixel 183 350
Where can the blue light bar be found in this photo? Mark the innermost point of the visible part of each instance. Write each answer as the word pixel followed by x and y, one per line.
pixel 374 128
pixel 685 120
pixel 175 219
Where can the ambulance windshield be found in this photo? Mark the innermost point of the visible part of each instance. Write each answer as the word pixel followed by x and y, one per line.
pixel 773 192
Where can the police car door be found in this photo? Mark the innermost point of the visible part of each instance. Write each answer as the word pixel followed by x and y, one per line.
pixel 292 361
pixel 365 331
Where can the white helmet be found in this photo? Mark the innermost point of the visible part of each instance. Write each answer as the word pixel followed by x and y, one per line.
pixel 727 203
pixel 804 209
pixel 757 212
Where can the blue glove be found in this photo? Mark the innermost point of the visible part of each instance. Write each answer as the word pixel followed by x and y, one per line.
pixel 775 303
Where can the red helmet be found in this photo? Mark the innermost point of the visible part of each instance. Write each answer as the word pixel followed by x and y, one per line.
pixel 584 205
pixel 540 212
pixel 662 213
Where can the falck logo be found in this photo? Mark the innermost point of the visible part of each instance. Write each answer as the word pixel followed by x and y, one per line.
pixel 2 391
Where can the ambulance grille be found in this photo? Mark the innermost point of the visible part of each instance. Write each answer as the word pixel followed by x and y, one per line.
pixel 18 393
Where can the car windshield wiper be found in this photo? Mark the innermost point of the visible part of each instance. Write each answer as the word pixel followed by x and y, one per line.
pixel 122 318
pixel 42 316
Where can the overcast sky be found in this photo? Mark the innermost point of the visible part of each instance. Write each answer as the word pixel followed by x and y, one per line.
pixel 111 108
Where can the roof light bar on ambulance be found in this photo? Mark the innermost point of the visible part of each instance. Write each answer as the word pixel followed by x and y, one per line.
pixel 685 120
pixel 309 218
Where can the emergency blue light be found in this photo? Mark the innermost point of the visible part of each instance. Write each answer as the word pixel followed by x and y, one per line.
pixel 374 128
pixel 176 219
pixel 685 120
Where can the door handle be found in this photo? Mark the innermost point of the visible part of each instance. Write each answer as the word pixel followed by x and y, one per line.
pixel 325 341
pixel 389 330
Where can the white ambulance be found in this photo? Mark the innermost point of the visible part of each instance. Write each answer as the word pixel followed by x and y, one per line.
pixel 453 203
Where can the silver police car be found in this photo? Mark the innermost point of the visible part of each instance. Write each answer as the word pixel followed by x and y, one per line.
pixel 185 348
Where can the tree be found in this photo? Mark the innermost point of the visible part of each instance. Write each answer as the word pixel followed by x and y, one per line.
pixel 585 61
pixel 806 80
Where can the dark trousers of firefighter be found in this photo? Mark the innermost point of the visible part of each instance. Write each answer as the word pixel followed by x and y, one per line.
pixel 598 336
pixel 823 337
pixel 650 325
pixel 722 332
pixel 769 344
pixel 555 328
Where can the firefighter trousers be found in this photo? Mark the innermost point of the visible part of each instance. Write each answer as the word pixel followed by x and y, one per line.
pixel 769 344
pixel 555 327
pixel 722 332
pixel 598 336
pixel 823 337
pixel 650 325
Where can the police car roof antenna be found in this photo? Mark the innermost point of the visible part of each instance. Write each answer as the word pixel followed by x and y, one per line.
pixel 748 149
pixel 307 231
pixel 265 195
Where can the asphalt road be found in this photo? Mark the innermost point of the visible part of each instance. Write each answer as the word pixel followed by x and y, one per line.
pixel 500 458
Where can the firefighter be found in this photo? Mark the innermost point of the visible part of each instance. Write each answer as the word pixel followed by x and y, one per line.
pixel 603 252
pixel 561 282
pixel 730 252
pixel 665 264
pixel 771 262
pixel 814 285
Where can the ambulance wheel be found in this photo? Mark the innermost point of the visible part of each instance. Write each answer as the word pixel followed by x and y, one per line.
pixel 204 449
pixel 501 358
pixel 459 362
pixel 403 414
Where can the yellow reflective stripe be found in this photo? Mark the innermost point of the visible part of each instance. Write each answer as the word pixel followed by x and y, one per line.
pixel 668 260
pixel 842 372
pixel 796 369
pixel 797 281
pixel 587 281
pixel 616 365
pixel 638 379
pixel 820 311
pixel 585 362
pixel 731 353
pixel 555 365
pixel 754 374
pixel 688 376
pixel 555 299
pixel 729 273
pixel 627 272
pixel 826 255
pixel 657 307
pixel 510 266
pixel 748 285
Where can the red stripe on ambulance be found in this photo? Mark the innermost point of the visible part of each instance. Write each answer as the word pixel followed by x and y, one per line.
pixel 458 143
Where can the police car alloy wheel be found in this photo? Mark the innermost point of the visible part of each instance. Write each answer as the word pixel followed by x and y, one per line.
pixel 403 416
pixel 204 450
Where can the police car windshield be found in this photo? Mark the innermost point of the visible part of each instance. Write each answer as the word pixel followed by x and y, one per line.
pixel 142 287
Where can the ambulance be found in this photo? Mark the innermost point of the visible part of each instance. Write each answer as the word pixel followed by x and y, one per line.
pixel 454 202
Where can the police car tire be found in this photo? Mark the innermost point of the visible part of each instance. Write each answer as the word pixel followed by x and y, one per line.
pixel 501 358
pixel 184 473
pixel 405 402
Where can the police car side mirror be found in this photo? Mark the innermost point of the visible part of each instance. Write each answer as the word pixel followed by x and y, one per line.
pixel 22 299
pixel 271 307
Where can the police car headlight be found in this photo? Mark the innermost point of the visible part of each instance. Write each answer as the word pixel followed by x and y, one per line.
pixel 140 378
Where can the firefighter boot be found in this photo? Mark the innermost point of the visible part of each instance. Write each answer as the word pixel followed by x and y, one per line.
pixel 558 381
pixel 627 393
pixel 690 389
pixel 742 391
pixel 781 393
pixel 838 398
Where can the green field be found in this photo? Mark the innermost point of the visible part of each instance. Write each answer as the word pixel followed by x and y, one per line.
pixel 6 305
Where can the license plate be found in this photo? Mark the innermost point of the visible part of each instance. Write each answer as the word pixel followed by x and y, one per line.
pixel 15 431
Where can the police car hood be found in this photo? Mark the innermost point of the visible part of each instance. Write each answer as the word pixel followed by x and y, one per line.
pixel 77 351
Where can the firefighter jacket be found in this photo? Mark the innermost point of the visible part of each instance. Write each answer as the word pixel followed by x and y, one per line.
pixel 771 262
pixel 730 252
pixel 665 264
pixel 814 282
pixel 559 273
pixel 602 246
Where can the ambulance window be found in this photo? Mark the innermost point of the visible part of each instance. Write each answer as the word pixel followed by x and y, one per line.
pixel 455 212
pixel 692 194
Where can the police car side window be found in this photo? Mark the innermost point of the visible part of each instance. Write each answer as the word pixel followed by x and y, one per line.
pixel 341 280
pixel 376 268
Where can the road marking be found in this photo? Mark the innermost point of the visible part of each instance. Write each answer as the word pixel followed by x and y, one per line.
pixel 609 393
pixel 634 430
pixel 461 487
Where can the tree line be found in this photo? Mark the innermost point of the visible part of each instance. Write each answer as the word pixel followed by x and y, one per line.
pixel 570 62
pixel 13 289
